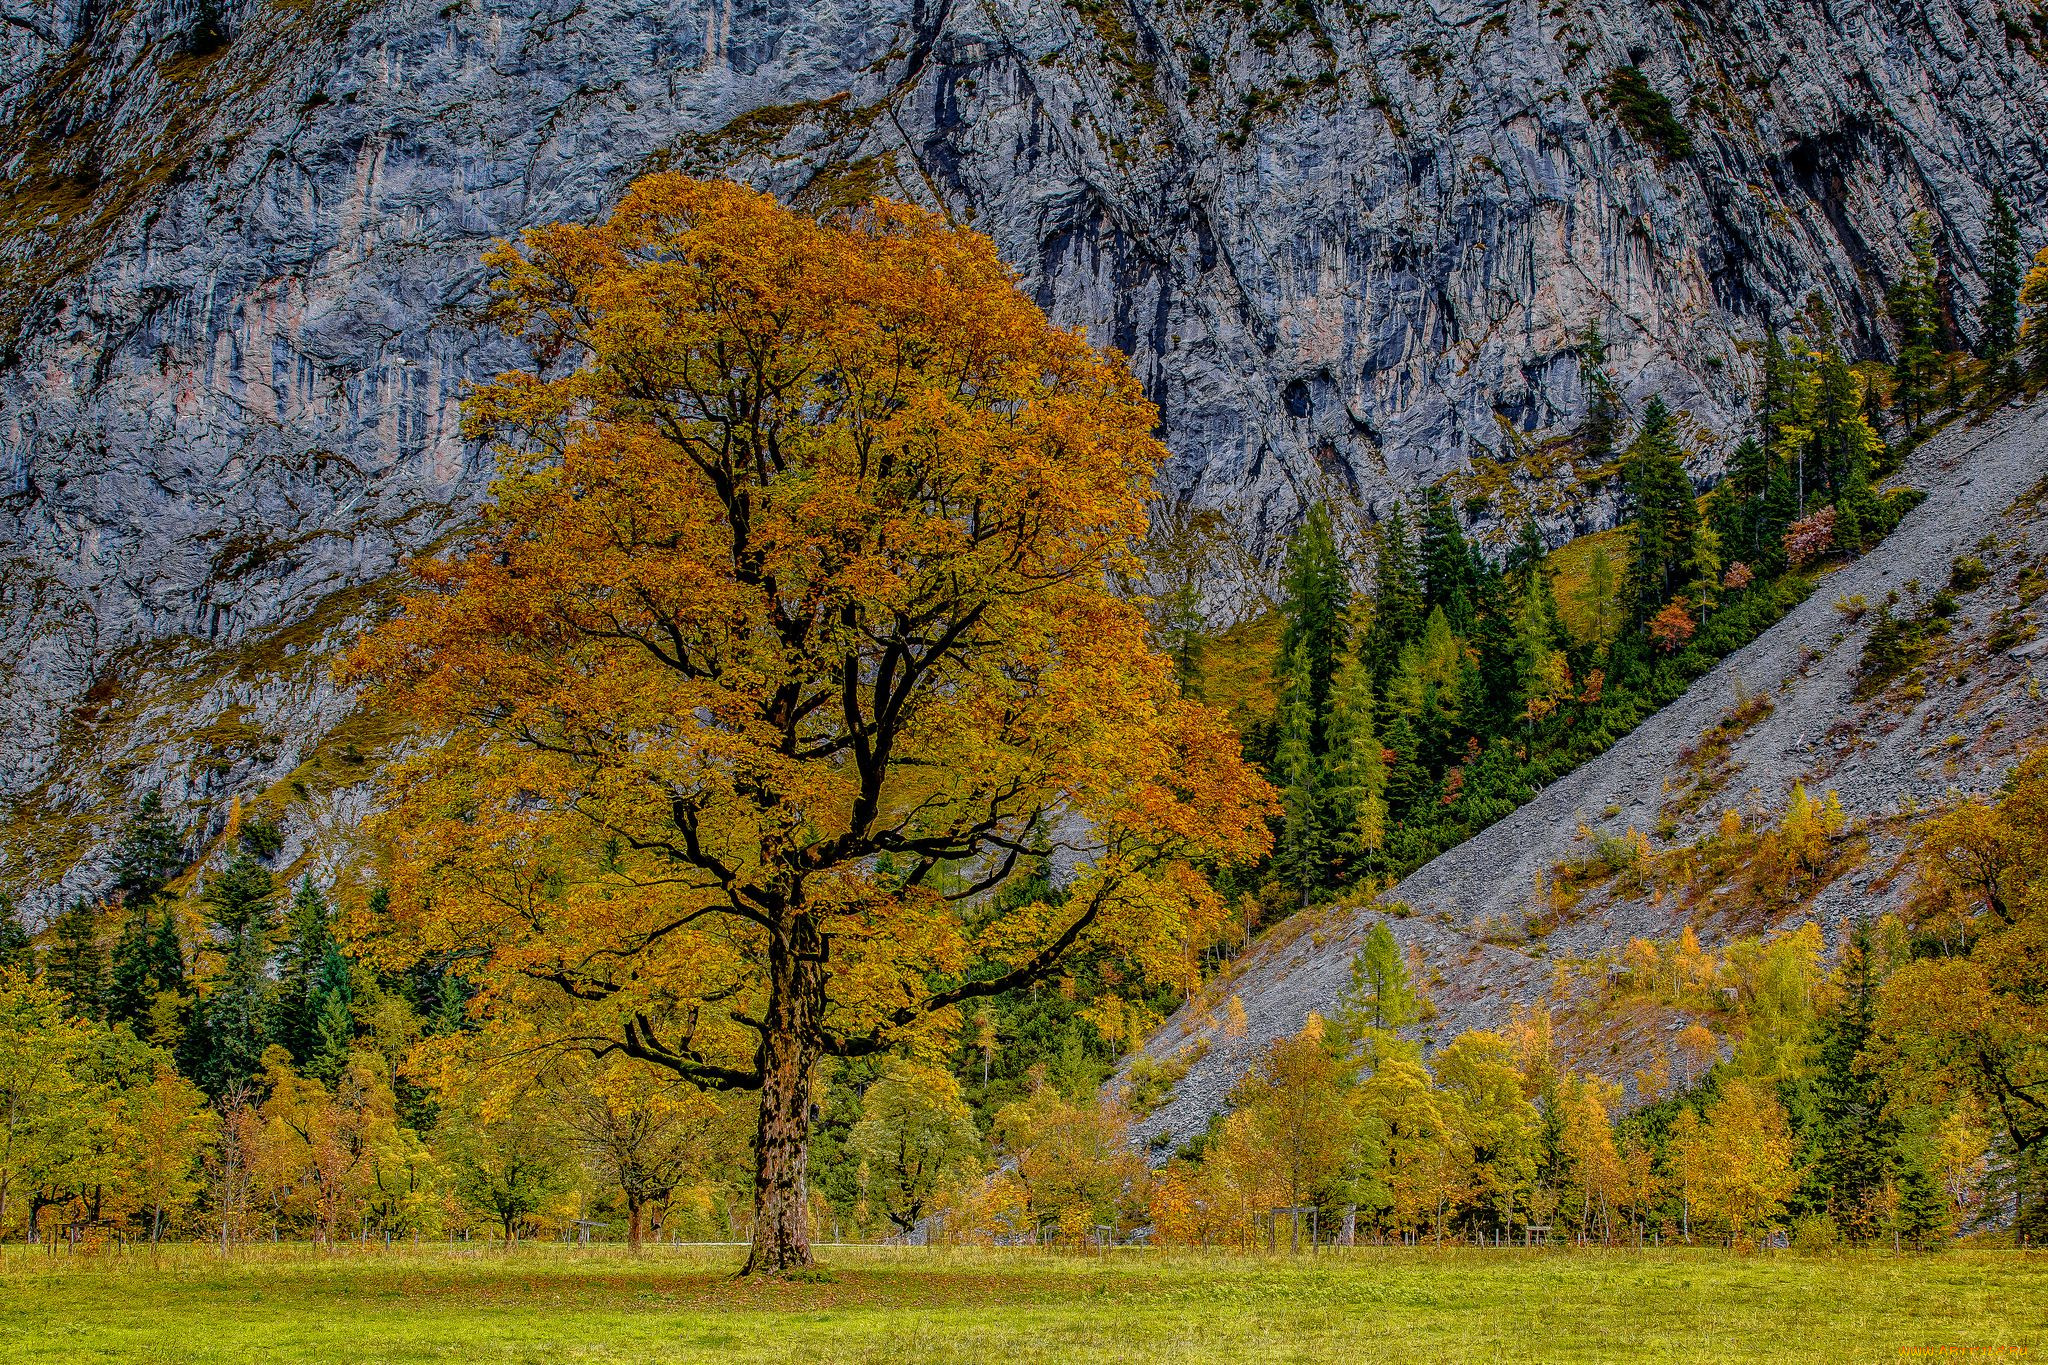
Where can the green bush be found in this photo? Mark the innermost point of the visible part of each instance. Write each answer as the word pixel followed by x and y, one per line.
pixel 1645 112
pixel 1815 1232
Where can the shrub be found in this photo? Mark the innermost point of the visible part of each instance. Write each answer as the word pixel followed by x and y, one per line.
pixel 1646 112
pixel 1815 1232
pixel 1672 627
pixel 1812 538
pixel 1968 575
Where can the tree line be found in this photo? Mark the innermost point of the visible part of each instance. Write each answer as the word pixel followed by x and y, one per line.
pixel 1889 1096
pixel 1418 712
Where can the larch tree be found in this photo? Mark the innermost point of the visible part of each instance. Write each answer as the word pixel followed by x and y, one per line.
pixel 1381 996
pixel 799 557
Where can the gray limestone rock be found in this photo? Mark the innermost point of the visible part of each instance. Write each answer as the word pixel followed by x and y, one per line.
pixel 1348 250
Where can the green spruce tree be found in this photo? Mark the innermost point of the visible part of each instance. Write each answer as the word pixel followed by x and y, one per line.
pixel 300 961
pixel 1315 600
pixel 129 994
pixel 1450 570
pixel 77 964
pixel 2003 271
pixel 1777 399
pixel 1661 513
pixel 1916 311
pixel 149 854
pixel 1857 1140
pixel 230 1032
pixel 16 952
pixel 334 1025
pixel 1601 431
pixel 1740 504
pixel 1397 605
pixel 1843 443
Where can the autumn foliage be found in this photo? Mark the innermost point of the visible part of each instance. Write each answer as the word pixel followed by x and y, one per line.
pixel 786 634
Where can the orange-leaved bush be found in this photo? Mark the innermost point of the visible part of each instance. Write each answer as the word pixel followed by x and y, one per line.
pixel 786 638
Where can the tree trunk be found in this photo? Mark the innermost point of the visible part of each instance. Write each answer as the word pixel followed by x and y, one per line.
pixel 789 1052
pixel 633 1208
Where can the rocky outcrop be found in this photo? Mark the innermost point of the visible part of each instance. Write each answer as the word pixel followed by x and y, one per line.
pixel 1956 726
pixel 1348 250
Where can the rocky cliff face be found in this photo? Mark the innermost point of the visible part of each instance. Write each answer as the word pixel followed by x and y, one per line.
pixel 1348 249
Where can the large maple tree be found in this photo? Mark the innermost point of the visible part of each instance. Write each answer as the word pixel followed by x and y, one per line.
pixel 785 640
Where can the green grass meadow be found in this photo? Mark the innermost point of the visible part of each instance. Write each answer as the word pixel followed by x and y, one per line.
pixel 558 1304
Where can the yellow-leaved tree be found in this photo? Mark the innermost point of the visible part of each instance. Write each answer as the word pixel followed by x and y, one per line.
pixel 785 639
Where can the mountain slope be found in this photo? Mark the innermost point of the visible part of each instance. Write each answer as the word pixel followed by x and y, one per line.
pixel 1469 912
pixel 1344 248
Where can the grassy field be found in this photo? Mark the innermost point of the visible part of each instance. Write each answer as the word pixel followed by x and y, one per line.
pixel 550 1304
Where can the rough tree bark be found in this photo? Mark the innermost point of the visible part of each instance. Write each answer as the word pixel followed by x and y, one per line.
pixel 791 1045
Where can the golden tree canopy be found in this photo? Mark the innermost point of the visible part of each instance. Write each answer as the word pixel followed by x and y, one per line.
pixel 785 638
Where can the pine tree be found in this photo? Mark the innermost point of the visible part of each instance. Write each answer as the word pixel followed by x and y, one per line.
pixel 299 964
pixel 1916 312
pixel 1857 1141
pixel 1398 609
pixel 230 1034
pixel 1843 442
pixel 2000 335
pixel 1450 577
pixel 149 855
pixel 1662 514
pixel 16 954
pixel 1315 598
pixel 77 966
